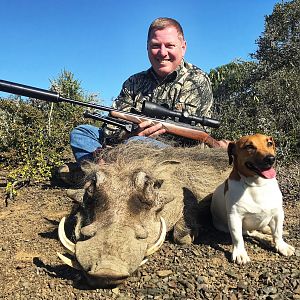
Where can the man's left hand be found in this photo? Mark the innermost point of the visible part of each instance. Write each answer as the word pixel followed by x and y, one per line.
pixel 147 128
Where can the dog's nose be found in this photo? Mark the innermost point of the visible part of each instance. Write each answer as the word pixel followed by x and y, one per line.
pixel 269 159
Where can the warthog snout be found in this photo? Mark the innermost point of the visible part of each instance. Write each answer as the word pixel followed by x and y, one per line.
pixel 108 265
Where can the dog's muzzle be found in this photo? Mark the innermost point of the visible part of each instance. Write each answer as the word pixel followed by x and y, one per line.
pixel 263 167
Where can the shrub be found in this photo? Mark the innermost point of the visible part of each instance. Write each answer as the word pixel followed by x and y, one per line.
pixel 34 135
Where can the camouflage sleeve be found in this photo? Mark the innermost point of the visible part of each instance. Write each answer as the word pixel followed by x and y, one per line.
pixel 197 95
pixel 125 100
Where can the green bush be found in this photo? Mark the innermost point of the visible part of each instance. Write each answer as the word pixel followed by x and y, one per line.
pixel 34 134
pixel 29 149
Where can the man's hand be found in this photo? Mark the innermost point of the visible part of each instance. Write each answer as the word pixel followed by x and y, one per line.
pixel 223 144
pixel 147 128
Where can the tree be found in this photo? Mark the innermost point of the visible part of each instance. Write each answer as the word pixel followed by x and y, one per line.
pixel 232 89
pixel 63 116
pixel 278 56
pixel 279 45
pixel 263 96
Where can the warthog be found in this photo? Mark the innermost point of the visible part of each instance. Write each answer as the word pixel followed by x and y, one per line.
pixel 132 199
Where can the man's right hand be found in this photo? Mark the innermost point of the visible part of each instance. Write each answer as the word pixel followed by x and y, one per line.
pixel 223 144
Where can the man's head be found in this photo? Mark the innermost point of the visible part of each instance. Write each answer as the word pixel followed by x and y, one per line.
pixel 166 45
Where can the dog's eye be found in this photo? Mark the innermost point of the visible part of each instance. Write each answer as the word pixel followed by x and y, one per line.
pixel 270 144
pixel 249 147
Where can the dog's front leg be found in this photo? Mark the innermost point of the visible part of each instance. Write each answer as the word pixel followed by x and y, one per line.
pixel 276 225
pixel 239 254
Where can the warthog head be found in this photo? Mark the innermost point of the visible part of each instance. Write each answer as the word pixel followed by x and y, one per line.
pixel 117 228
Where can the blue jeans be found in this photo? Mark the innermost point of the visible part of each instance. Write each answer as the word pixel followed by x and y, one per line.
pixel 85 139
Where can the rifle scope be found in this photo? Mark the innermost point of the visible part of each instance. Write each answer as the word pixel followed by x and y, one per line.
pixel 155 110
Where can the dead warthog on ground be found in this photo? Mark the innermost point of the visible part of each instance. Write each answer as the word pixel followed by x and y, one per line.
pixel 132 200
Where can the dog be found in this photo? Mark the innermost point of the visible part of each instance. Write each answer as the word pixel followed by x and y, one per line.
pixel 250 201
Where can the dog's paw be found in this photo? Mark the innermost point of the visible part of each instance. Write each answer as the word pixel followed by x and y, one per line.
pixel 240 256
pixel 285 249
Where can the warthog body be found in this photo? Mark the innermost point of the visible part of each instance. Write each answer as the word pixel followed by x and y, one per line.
pixel 129 199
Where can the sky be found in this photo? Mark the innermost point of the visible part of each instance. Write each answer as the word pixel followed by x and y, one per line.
pixel 103 42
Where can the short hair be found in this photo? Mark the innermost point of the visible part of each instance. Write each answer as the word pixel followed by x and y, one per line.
pixel 162 23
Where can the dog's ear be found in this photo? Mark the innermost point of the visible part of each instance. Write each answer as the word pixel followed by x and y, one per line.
pixel 231 151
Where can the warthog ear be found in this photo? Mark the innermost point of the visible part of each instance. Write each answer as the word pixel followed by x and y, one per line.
pixel 166 167
pixel 169 162
pixel 100 178
pixel 88 167
pixel 95 181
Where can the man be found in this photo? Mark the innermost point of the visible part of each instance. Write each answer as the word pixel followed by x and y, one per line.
pixel 171 81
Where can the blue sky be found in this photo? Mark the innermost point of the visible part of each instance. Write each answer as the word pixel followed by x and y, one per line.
pixel 103 42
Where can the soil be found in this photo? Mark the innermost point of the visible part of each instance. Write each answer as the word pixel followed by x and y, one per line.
pixel 30 268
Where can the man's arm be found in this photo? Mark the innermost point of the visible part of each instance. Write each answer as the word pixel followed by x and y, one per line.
pixel 196 93
pixel 127 100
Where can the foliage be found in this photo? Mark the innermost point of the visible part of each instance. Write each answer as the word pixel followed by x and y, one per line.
pixel 263 96
pixel 232 92
pixel 280 95
pixel 279 45
pixel 34 134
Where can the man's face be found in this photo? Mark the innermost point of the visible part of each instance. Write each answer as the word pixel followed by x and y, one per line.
pixel 165 50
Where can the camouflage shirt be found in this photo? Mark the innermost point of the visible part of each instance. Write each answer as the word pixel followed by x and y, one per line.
pixel 188 87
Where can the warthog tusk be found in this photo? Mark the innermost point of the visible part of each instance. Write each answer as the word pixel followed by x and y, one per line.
pixel 161 239
pixel 70 262
pixel 63 238
pixel 144 261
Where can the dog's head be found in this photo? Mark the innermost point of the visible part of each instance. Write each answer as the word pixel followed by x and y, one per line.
pixel 253 155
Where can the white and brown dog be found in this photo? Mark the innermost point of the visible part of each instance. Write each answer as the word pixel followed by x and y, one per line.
pixel 250 199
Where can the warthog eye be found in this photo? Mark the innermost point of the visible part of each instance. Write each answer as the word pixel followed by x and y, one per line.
pixel 157 184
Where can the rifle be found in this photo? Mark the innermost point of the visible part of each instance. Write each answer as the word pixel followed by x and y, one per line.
pixel 174 122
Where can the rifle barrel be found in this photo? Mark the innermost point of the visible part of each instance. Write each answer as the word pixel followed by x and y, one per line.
pixel 33 92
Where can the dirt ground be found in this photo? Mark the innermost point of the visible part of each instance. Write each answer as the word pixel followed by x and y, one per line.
pixel 30 268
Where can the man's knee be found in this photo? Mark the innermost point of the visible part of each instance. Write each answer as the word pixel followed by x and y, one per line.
pixel 85 130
